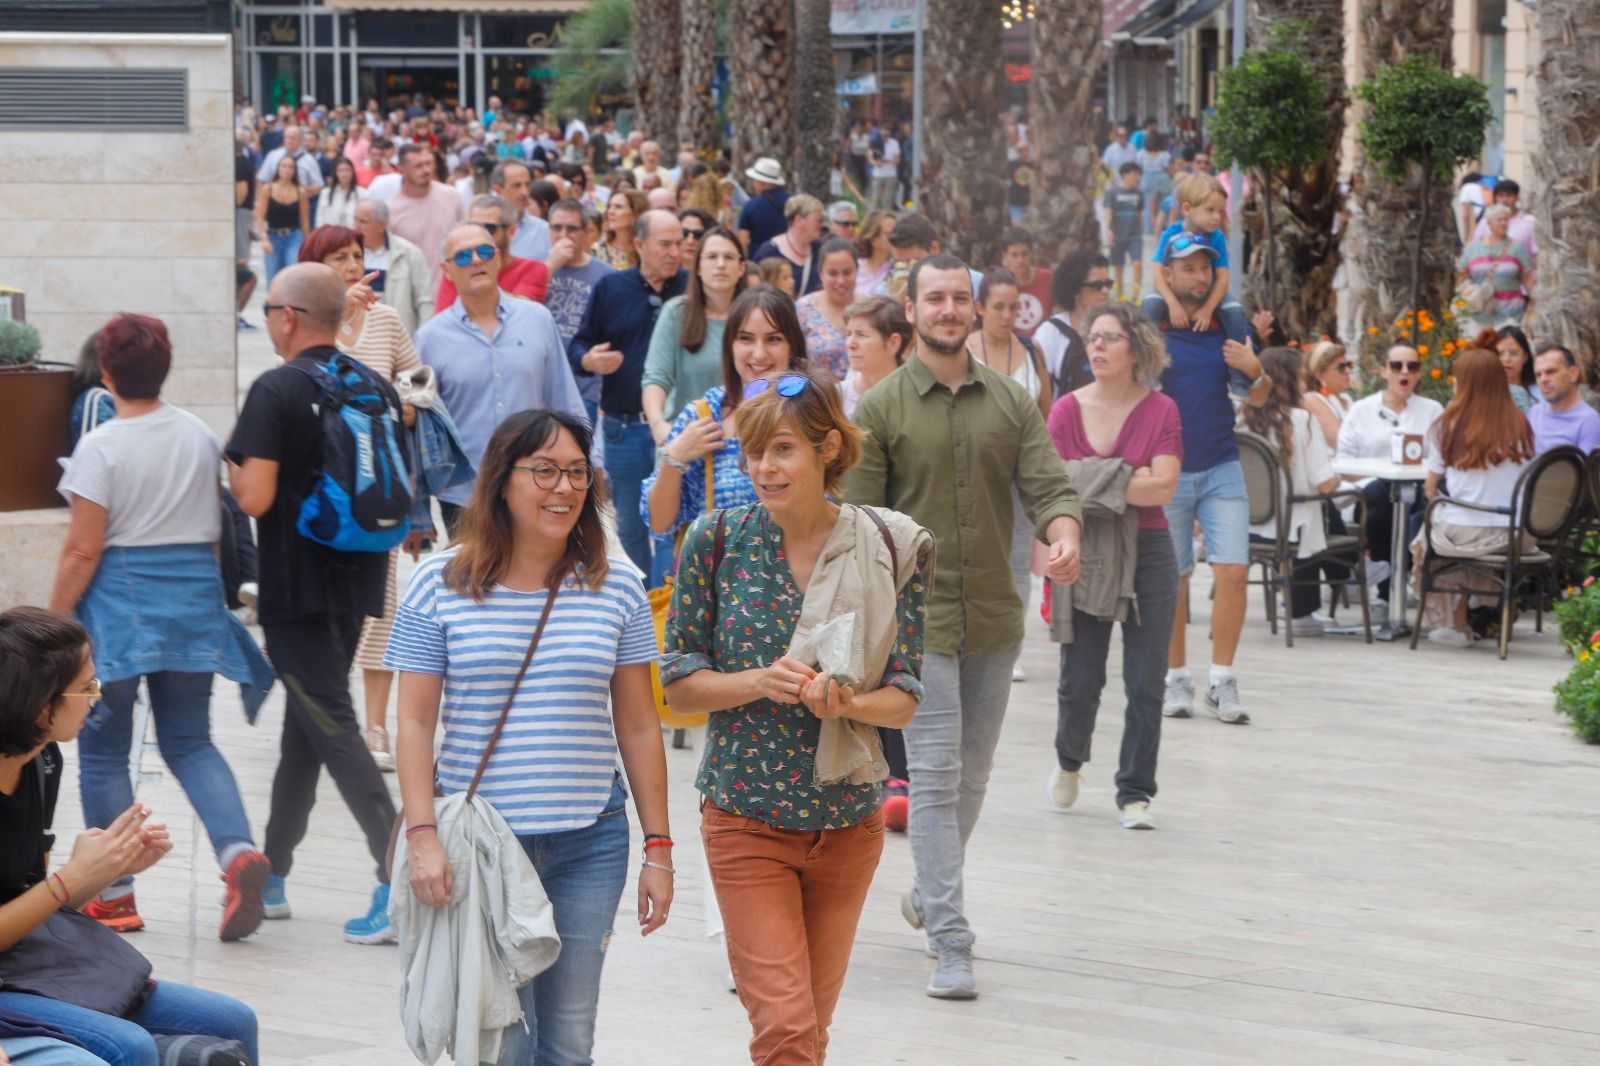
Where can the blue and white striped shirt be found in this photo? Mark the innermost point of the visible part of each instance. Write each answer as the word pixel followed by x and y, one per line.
pixel 552 769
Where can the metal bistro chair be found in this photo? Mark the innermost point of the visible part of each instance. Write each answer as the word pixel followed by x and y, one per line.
pixel 1267 485
pixel 1548 500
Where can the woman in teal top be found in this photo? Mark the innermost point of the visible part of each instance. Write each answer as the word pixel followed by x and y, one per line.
pixel 791 856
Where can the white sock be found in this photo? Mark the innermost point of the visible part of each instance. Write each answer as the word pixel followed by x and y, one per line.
pixel 1220 673
pixel 1180 673
pixel 112 893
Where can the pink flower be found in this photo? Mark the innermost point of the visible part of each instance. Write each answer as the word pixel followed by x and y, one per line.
pixel 1588 581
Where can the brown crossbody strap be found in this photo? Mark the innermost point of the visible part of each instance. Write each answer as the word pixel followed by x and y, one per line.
pixel 505 712
pixel 888 542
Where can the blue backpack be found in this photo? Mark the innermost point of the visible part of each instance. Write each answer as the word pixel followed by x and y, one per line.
pixel 360 500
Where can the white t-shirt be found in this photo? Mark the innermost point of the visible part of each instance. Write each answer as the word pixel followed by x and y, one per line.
pixel 891 159
pixel 1493 486
pixel 1368 429
pixel 156 475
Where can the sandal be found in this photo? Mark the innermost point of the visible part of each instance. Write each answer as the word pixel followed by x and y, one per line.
pixel 378 745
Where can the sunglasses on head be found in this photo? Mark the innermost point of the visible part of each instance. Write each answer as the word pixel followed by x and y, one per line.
pixel 467 256
pixel 788 385
pixel 1408 367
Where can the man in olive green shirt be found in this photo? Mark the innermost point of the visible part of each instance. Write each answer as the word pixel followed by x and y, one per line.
pixel 947 439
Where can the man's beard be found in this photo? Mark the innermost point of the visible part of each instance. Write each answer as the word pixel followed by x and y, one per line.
pixel 940 347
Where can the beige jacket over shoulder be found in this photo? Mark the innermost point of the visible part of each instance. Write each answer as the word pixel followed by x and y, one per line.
pixel 1110 548
pixel 853 574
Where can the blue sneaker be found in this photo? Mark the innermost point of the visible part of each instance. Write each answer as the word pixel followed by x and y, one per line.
pixel 274 904
pixel 374 928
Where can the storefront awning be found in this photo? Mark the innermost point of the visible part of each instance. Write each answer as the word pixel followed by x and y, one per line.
pixel 1164 21
pixel 510 7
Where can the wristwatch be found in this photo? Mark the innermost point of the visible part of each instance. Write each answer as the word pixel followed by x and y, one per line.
pixel 677 464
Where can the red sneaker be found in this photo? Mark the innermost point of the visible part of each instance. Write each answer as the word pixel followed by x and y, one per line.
pixel 121 915
pixel 242 910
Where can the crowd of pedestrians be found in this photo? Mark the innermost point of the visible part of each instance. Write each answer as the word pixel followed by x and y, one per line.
pixel 676 420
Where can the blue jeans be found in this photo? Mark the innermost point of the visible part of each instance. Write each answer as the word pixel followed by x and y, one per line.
pixel 42 1051
pixel 180 703
pixel 285 252
pixel 1217 498
pixel 630 457
pixel 583 872
pixel 171 1010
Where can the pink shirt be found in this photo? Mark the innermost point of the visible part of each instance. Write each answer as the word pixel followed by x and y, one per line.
pixel 424 220
pixel 1151 429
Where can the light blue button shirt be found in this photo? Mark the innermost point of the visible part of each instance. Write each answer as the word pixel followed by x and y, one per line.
pixel 532 239
pixel 484 380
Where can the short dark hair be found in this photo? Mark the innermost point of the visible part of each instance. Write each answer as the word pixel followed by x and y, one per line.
pixel 408 150
pixel 1071 275
pixel 704 217
pixel 833 246
pixel 1015 235
pixel 545 192
pixel 1507 185
pixel 568 204
pixel 1130 167
pixel 136 351
pixel 1566 353
pixel 996 276
pixel 936 261
pixel 40 653
pixel 912 231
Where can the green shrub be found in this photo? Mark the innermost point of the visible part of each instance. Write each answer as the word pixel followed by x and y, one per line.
pixel 1578 696
pixel 19 343
pixel 1578 613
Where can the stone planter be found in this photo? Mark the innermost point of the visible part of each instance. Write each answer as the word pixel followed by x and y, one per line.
pixel 35 402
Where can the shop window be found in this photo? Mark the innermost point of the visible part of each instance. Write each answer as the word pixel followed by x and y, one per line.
pixel 281 79
pixel 521 31
pixel 325 88
pixel 416 29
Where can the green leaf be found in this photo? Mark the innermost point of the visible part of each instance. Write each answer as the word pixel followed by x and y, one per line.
pixel 1271 112
pixel 1418 112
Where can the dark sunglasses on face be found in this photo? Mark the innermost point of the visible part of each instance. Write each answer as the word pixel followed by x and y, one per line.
pixel 467 256
pixel 693 234
pixel 1102 286
pixel 1343 368
pixel 788 385
pixel 1410 368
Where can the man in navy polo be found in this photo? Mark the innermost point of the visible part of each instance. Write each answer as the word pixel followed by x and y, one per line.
pixel 612 342
pixel 1211 487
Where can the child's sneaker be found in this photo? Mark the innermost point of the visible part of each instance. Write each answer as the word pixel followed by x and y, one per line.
pixel 374 926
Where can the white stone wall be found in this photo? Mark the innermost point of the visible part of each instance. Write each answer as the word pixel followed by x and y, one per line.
pixel 93 223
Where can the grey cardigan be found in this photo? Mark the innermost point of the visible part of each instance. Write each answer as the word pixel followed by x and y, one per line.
pixel 1109 548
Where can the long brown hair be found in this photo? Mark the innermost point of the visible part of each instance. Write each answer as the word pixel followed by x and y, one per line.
pixel 485 534
pixel 1274 419
pixel 692 331
pixel 1482 426
pixel 779 310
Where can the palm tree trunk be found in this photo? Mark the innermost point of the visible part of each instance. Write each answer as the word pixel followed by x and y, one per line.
pixel 963 147
pixel 816 109
pixel 1067 55
pixel 1568 171
pixel 761 76
pixel 697 120
pixel 656 63
pixel 1303 244
pixel 1394 29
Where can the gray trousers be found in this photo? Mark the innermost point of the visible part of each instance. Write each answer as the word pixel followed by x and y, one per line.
pixel 1144 667
pixel 950 746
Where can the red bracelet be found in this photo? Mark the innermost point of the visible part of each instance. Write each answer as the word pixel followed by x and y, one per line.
pixel 658 842
pixel 421 828
pixel 66 894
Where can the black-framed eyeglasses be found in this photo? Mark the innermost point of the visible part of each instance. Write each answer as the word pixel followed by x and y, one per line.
pixel 787 385
pixel 267 309
pixel 548 475
pixel 1410 368
pixel 1099 286
pixel 94 692
pixel 562 227
pixel 1107 337
pixel 483 253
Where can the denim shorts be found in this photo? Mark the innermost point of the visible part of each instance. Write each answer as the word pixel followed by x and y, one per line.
pixel 1217 498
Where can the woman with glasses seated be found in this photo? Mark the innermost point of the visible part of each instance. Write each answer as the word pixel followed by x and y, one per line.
pixel 139 567
pixel 47 691
pixel 762 336
pixel 1081 283
pixel 1367 432
pixel 1327 388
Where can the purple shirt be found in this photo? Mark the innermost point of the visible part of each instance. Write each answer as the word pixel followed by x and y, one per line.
pixel 1151 429
pixel 1578 426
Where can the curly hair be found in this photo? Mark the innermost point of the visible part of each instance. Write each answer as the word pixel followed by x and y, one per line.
pixel 1144 340
pixel 1274 419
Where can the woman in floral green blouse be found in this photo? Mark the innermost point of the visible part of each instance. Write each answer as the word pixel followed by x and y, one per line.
pixel 791 851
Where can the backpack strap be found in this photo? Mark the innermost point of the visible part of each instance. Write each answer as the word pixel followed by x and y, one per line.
pixel 703 408
pixel 505 711
pixel 888 542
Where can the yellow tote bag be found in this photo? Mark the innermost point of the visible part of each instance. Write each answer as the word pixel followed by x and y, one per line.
pixel 661 599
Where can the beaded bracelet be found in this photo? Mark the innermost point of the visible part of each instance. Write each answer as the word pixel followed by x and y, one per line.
pixel 659 866
pixel 66 894
pixel 421 828
pixel 658 842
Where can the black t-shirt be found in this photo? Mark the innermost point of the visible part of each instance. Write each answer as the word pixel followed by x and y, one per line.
pixel 24 825
pixel 245 171
pixel 299 577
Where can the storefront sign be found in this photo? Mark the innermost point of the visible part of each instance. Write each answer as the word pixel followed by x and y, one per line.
pixel 856 17
pixel 865 85
pixel 281 30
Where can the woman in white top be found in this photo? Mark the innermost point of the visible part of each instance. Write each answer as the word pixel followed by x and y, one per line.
pixel 1480 446
pixel 1285 423
pixel 1327 394
pixel 877 338
pixel 336 205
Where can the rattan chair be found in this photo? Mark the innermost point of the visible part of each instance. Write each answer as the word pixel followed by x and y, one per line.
pixel 1547 503
pixel 1267 485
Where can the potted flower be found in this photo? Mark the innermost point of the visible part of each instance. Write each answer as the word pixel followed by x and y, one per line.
pixel 35 402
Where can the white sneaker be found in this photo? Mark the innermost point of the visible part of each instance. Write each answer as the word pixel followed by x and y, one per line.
pixel 1380 611
pixel 1309 626
pixel 1063 787
pixel 1179 700
pixel 1222 698
pixel 1136 815
pixel 1450 638
pixel 1017 673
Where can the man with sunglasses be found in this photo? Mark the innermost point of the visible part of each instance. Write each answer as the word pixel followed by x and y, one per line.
pixel 494 355
pixel 1368 433
pixel 527 279
pixel 842 219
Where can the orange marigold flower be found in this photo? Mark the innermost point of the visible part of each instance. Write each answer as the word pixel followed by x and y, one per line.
pixel 1436 372
pixel 1372 330
pixel 1422 349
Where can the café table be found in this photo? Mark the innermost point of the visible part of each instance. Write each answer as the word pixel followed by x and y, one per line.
pixel 1400 477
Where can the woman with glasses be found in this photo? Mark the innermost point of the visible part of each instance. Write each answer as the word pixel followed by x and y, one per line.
pixel 139 567
pixel 762 336
pixel 1121 435
pixel 622 211
pixel 531 546
pixel 1081 283
pixel 1327 394
pixel 47 691
pixel 371 332
pixel 792 825
pixel 283 217
pixel 822 312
